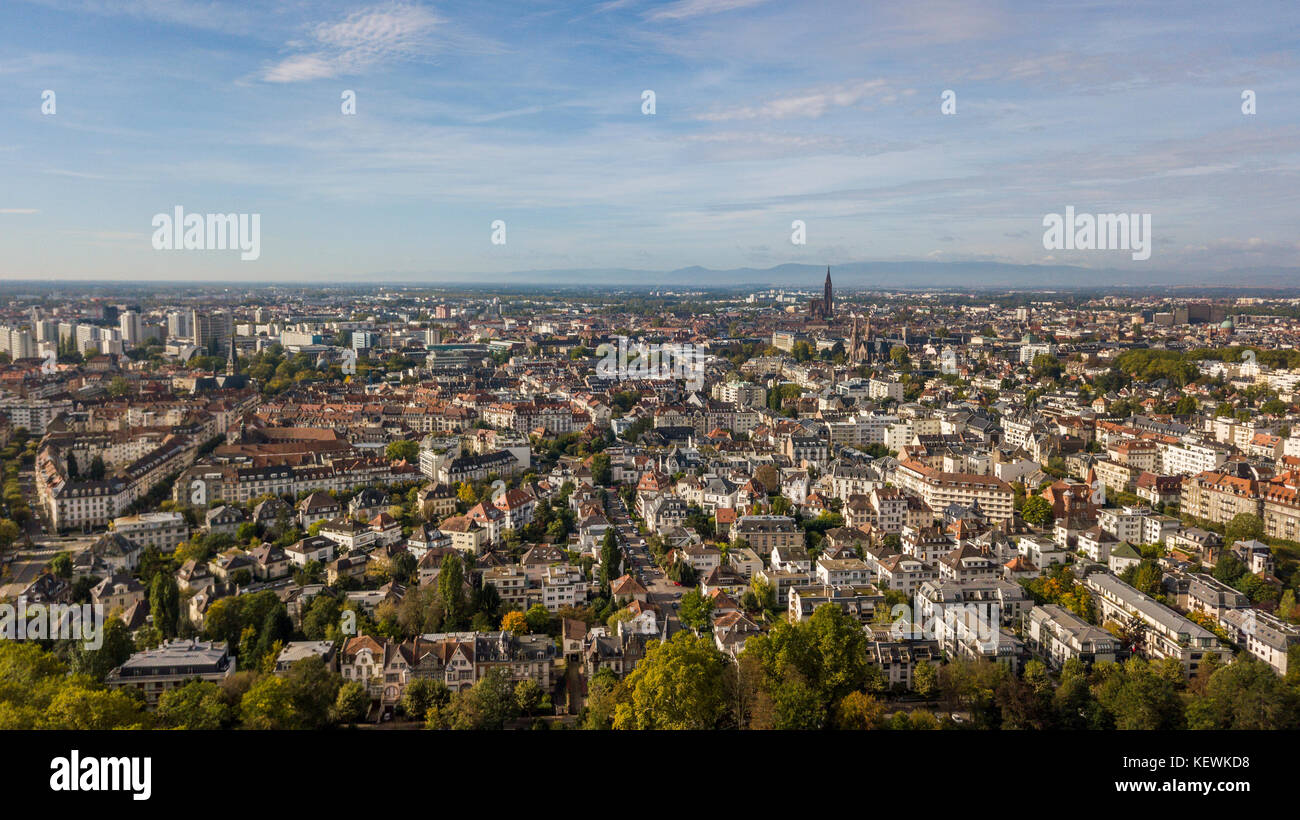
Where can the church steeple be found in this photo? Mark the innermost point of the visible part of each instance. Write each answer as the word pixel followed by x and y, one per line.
pixel 828 295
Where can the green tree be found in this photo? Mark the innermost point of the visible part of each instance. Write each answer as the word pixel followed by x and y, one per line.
pixel 528 696
pixel 603 694
pixel 1243 527
pixel 9 532
pixel 1186 406
pixel 269 704
pixel 1147 577
pixel 841 645
pixel 165 604
pixel 681 572
pixel 1073 702
pixel 451 590
pixel 313 688
pixel 488 704
pixel 611 557
pixel 79 708
pixel 320 622
pixel 1245 694
pixel 794 705
pixel 352 703
pixel 197 705
pixel 1137 695
pixel 925 679
pixel 600 470
pixel 538 619
pixel 61 564
pixel 695 610
pixel 859 710
pixel 1228 568
pixel 423 695
pixel 1037 512
pixel 408 451
pixel 276 631
pixel 678 685
pixel 116 646
pixel 1287 607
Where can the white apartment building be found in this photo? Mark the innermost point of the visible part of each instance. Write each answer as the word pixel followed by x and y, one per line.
pixel 1028 352
pixel 1264 636
pixel 1137 525
pixel 34 414
pixel 741 393
pixel 1167 634
pixel 905 429
pixel 1190 457
pixel 879 389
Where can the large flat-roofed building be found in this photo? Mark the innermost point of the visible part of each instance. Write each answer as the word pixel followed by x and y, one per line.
pixel 1166 634
pixel 161 530
pixel 858 601
pixel 171 665
pixel 295 651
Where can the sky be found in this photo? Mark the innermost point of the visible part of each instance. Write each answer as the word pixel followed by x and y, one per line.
pixel 532 113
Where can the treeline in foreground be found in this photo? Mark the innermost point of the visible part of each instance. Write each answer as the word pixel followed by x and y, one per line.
pixel 809 675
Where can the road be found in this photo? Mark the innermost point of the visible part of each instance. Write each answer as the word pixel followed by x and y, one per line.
pixel 663 593
pixel 37 526
pixel 20 574
pixel 28 563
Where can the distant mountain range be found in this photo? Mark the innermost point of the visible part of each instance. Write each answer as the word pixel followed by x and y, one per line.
pixel 897 276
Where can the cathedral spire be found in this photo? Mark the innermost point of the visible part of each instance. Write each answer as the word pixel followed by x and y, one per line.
pixel 828 295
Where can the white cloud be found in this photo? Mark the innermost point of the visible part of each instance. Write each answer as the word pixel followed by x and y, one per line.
pixel 19 211
pixel 368 37
pixel 808 104
pixel 300 68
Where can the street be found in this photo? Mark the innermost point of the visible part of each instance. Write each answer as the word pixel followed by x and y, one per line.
pixel 663 593
pixel 28 563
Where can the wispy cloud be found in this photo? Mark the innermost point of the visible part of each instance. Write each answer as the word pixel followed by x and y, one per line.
pixel 365 38
pixel 767 112
pixel 808 104
pixel 686 9
pixel 503 115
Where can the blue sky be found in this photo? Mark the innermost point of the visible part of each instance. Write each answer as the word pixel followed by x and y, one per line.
pixel 530 112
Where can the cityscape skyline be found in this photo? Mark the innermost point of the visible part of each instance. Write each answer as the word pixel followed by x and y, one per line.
pixel 405 372
pixel 534 116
